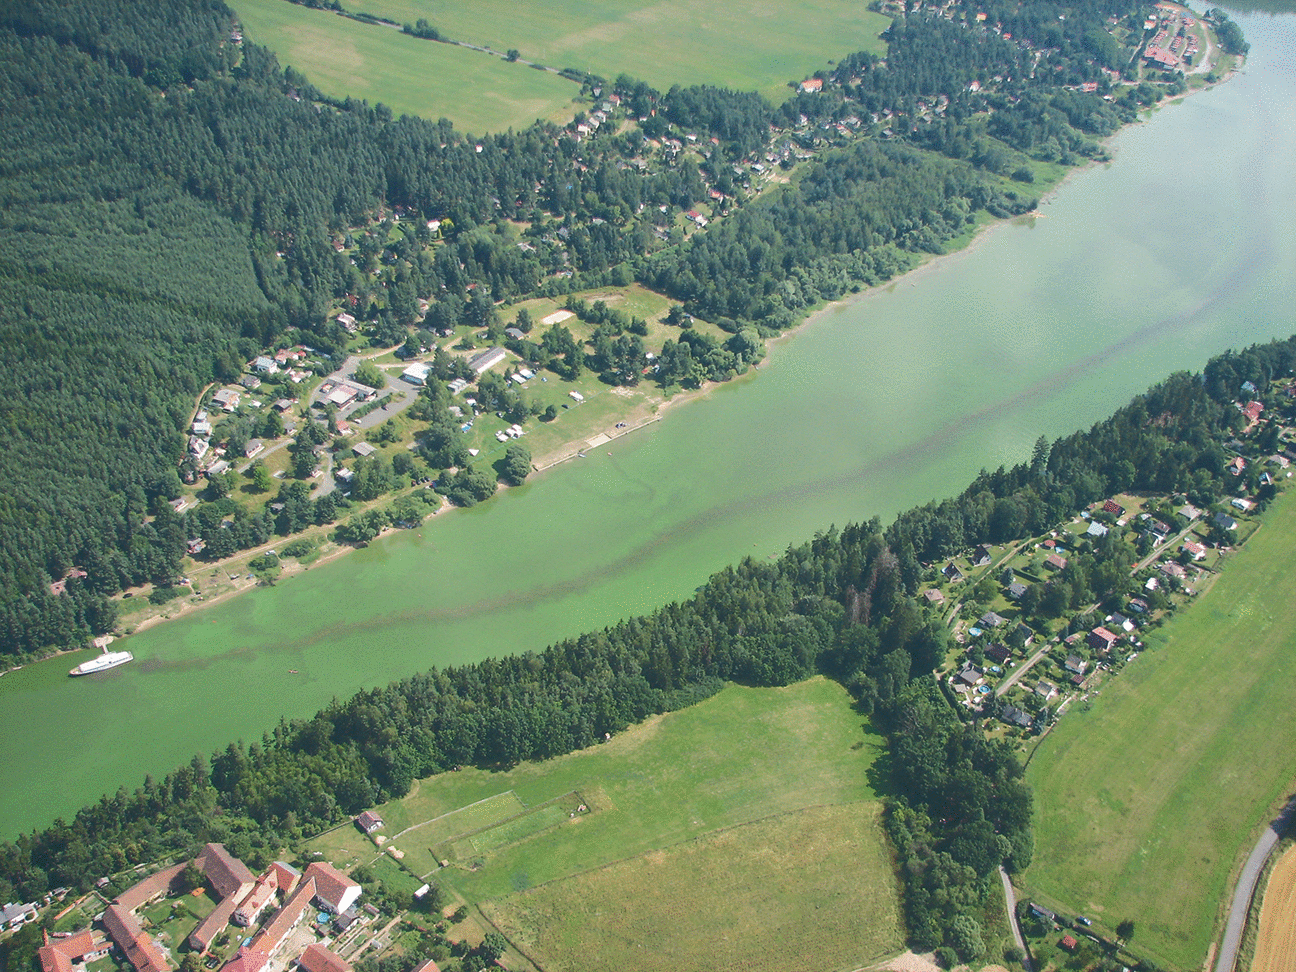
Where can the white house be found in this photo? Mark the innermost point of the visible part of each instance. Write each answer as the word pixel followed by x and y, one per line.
pixel 417 374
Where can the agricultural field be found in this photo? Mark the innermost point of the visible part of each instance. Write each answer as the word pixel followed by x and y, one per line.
pixel 814 883
pixel 1147 802
pixel 757 47
pixel 1276 939
pixel 342 57
pixel 672 796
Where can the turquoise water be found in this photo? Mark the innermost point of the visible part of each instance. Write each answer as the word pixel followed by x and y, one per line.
pixel 1180 248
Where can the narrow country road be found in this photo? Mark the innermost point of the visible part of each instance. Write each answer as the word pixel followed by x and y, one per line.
pixel 1246 886
pixel 1023 668
pixel 1010 899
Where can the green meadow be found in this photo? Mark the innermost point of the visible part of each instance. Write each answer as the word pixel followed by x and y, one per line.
pixel 1148 803
pixel 758 47
pixel 700 806
pixel 342 57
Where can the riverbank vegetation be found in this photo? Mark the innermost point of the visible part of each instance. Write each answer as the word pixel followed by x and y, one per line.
pixel 219 207
pixel 844 604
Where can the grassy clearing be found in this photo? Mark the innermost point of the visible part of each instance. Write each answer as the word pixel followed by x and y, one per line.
pixel 816 884
pixel 342 57
pixel 672 779
pixel 1149 802
pixel 757 47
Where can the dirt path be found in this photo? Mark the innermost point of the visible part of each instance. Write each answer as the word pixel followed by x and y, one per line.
pixel 1010 899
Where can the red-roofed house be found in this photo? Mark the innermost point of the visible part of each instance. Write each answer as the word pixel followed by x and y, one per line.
pixel 200 938
pixel 317 958
pixel 334 891
pixel 1114 508
pixel 137 946
pixel 286 918
pixel 428 966
pixel 369 821
pixel 1056 561
pixel 1100 639
pixel 228 875
pixel 812 85
pixel 1196 549
pixel 286 876
pixel 1252 410
pixel 250 907
pixel 151 887
pixel 1068 943
pixel 59 954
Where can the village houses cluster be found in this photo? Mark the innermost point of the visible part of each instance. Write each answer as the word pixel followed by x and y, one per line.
pixel 322 894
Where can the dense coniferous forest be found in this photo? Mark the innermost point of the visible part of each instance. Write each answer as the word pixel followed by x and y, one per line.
pixel 170 196
pixel 843 604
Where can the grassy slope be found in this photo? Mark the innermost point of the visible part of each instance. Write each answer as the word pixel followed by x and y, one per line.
pixel 674 780
pixel 758 47
pixel 1149 801
pixel 341 57
pixel 813 888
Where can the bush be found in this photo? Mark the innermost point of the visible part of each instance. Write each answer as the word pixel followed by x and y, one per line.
pixel 299 547
pixel 946 957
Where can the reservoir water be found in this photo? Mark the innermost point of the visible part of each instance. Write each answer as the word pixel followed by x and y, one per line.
pixel 1185 245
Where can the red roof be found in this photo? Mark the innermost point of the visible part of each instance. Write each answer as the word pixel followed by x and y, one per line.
pixel 317 958
pixel 247 960
pixel 1068 942
pixel 227 874
pixel 1253 410
pixel 1111 506
pixel 330 883
pixel 59 954
pixel 149 888
pixel 286 918
pixel 1056 560
pixel 137 946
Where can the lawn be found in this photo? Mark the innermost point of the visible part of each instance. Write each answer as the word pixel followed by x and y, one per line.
pixel 758 47
pixel 813 888
pixel 671 789
pixel 1148 802
pixel 342 57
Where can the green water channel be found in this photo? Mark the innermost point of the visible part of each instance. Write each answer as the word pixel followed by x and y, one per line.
pixel 1182 247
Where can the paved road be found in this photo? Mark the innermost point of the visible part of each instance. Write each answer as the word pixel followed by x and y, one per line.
pixel 1246 886
pixel 1011 900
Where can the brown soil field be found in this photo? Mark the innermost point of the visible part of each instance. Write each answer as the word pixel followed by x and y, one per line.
pixel 1276 942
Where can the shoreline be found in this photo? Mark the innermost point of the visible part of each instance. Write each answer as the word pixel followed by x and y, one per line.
pixel 638 417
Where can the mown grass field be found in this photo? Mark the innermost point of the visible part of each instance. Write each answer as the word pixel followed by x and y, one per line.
pixel 787 767
pixel 1148 802
pixel 752 47
pixel 342 57
pixel 808 889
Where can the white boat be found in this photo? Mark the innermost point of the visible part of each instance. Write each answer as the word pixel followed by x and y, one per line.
pixel 105 661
